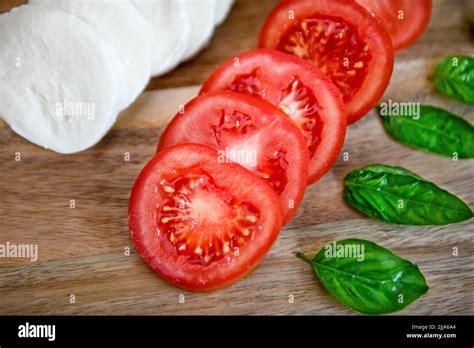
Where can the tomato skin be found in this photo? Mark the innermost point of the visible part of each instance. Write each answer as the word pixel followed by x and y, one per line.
pixel 273 129
pixel 276 71
pixel 417 17
pixel 278 23
pixel 158 252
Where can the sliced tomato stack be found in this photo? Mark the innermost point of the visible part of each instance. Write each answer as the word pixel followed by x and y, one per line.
pixel 250 132
pixel 297 88
pixel 230 171
pixel 232 166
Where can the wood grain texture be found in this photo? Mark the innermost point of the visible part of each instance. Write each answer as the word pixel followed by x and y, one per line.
pixel 81 250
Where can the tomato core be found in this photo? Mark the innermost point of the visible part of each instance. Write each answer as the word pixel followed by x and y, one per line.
pixel 301 105
pixel 247 83
pixel 234 128
pixel 296 100
pixel 202 221
pixel 334 46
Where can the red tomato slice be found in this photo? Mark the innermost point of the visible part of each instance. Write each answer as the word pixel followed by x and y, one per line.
pixel 251 132
pixel 299 89
pixel 343 40
pixel 201 224
pixel 405 20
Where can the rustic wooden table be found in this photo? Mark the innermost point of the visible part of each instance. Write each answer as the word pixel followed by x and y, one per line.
pixel 83 251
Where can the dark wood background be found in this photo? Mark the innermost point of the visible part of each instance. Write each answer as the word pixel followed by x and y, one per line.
pixel 82 251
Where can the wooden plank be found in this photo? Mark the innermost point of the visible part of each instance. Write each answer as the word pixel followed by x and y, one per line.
pixel 81 250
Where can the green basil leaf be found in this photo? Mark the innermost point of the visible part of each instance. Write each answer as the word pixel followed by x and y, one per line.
pixel 396 195
pixel 454 77
pixel 367 277
pixel 430 129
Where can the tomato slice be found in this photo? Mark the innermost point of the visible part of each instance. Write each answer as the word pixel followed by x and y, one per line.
pixel 251 132
pixel 342 39
pixel 405 20
pixel 200 223
pixel 299 89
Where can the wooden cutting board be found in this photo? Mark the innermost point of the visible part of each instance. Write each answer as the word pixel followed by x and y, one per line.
pixel 83 250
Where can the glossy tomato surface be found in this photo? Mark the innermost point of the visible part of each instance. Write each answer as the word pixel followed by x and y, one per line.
pixel 405 20
pixel 200 223
pixel 251 132
pixel 342 39
pixel 296 87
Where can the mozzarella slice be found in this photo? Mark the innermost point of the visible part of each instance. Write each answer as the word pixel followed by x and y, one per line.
pixel 202 17
pixel 120 24
pixel 171 29
pixel 60 83
pixel 223 8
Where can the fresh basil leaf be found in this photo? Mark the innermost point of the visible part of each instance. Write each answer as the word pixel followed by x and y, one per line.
pixel 367 277
pixel 430 129
pixel 454 77
pixel 396 195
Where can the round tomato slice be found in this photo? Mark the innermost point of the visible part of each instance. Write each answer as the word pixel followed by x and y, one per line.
pixel 201 224
pixel 251 132
pixel 299 89
pixel 405 20
pixel 342 39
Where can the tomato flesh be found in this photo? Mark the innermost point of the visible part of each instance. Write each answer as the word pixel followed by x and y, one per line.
pixel 298 89
pixel 251 132
pixel 334 47
pixel 405 20
pixel 200 223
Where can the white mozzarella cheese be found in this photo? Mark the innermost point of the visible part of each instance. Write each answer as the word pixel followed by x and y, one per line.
pixel 61 85
pixel 119 23
pixel 171 31
pixel 223 8
pixel 202 19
